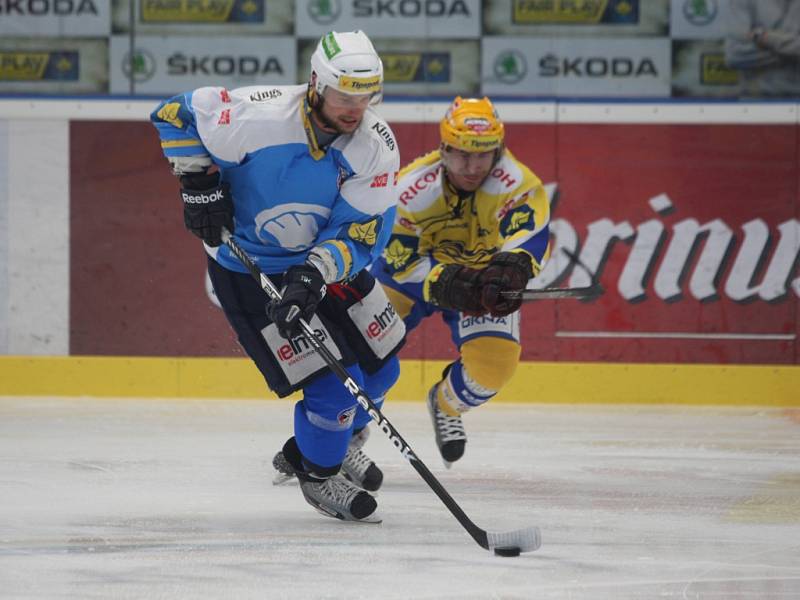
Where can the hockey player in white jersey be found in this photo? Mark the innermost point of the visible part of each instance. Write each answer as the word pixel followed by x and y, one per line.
pixel 304 178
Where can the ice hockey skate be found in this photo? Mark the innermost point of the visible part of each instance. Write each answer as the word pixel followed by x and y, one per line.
pixel 360 468
pixel 357 467
pixel 450 435
pixel 332 496
pixel 338 498
pixel 284 472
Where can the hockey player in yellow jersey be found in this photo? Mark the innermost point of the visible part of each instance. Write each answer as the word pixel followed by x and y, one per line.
pixel 472 222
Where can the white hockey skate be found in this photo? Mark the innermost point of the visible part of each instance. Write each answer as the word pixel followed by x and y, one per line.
pixel 450 435
pixel 356 467
pixel 338 498
pixel 360 468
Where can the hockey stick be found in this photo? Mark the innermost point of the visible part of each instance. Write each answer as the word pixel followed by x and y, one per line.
pixel 509 543
pixel 588 292
pixel 580 293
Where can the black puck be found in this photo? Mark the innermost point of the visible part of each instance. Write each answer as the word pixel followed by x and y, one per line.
pixel 507 551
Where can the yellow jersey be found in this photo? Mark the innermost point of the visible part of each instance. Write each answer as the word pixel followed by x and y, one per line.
pixel 435 224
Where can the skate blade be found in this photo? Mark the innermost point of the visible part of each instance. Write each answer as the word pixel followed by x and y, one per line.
pixel 373 519
pixel 283 479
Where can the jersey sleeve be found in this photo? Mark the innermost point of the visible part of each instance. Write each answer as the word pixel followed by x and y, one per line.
pixel 174 119
pixel 203 126
pixel 405 254
pixel 364 212
pixel 525 223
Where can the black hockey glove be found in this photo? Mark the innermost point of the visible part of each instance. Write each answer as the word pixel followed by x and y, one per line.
pixel 505 272
pixel 303 289
pixel 457 288
pixel 207 206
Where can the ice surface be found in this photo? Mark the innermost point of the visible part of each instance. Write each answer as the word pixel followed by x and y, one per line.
pixel 108 498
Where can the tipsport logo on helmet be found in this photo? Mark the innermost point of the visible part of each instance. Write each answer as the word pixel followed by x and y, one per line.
pixel 481 143
pixel 360 85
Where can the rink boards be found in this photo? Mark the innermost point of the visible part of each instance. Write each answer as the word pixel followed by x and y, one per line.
pixel 687 213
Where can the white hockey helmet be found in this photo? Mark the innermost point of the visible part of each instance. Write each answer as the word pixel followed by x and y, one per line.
pixel 347 62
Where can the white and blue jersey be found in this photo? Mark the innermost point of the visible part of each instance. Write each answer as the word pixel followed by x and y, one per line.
pixel 289 196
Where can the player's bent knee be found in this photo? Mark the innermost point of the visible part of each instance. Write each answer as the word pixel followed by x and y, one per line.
pixel 490 361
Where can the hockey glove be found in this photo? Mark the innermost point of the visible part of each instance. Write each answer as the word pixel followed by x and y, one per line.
pixel 207 206
pixel 456 288
pixel 303 289
pixel 505 272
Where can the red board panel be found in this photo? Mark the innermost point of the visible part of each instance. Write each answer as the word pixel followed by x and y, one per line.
pixel 726 175
pixel 137 277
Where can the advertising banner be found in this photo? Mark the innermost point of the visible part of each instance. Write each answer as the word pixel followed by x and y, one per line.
pixel 433 19
pixel 53 66
pixel 196 17
pixel 44 18
pixel 698 19
pixel 570 18
pixel 585 67
pixel 699 70
pixel 169 65
pixel 692 231
pixel 422 67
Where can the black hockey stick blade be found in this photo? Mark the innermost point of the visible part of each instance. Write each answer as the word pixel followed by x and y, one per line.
pixel 589 292
pixel 526 540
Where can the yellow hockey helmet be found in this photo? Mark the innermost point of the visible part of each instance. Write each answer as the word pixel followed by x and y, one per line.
pixel 472 125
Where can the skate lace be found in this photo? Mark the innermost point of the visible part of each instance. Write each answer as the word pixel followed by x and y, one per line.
pixel 356 460
pixel 450 428
pixel 338 491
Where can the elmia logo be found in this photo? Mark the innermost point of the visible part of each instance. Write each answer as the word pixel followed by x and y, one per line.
pixel 381 321
pixel 299 346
